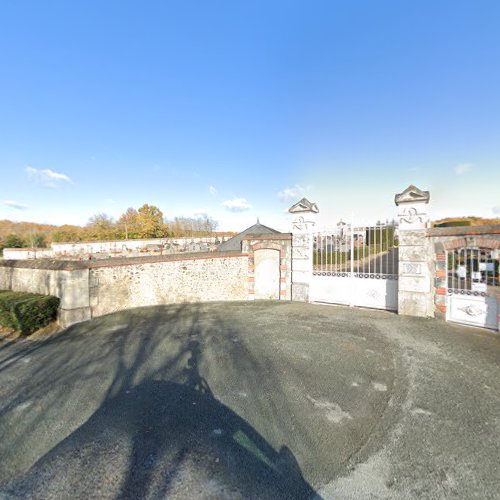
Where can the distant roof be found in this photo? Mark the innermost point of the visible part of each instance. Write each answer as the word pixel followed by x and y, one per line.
pixel 235 242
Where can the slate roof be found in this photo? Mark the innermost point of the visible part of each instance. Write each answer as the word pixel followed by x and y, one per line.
pixel 235 242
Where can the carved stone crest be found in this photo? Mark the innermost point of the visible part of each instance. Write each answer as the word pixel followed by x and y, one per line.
pixel 302 206
pixel 301 253
pixel 412 195
pixel 303 240
pixel 410 215
pixel 412 268
pixel 300 224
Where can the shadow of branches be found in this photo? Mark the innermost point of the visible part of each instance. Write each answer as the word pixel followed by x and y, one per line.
pixel 118 408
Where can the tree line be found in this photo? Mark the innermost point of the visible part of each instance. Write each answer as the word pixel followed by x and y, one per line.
pixel 148 221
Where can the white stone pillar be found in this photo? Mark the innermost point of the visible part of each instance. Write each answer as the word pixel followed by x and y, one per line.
pixel 415 293
pixel 304 214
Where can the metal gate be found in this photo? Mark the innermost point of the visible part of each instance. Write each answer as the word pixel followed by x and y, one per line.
pixel 356 266
pixel 473 284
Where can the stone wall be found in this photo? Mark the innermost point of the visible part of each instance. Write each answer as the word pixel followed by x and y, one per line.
pixel 27 253
pixel 416 268
pixel 116 287
pixel 70 284
pixel 93 288
pixel 106 249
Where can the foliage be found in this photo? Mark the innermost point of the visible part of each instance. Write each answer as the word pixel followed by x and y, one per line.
pixel 150 222
pixel 383 236
pixel 13 241
pixel 454 223
pixel 100 227
pixel 200 226
pixel 376 241
pixel 65 236
pixel 146 222
pixel 27 312
pixel 36 240
pixel 130 223
pixel 339 257
pixel 465 221
pixel 100 221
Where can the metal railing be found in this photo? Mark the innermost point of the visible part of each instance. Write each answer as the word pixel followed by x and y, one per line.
pixel 362 252
pixel 471 271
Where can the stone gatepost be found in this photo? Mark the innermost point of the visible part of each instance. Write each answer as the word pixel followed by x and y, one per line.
pixel 304 214
pixel 415 296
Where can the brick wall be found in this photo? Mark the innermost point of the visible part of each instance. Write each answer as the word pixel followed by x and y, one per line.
pixel 451 238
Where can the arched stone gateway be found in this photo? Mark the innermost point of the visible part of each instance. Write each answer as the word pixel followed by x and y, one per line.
pixel 467 279
pixel 269 272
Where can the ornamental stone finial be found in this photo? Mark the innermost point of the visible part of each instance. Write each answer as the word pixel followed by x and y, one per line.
pixel 412 195
pixel 303 206
pixel 412 213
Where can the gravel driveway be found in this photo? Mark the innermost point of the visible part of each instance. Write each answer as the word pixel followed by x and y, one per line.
pixel 252 400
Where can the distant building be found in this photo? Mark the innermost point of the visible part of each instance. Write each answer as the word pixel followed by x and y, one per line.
pixel 234 243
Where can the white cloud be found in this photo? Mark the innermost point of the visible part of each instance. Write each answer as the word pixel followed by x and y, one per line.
pixel 496 210
pixel 14 204
pixel 46 177
pixel 462 168
pixel 212 190
pixel 237 205
pixel 292 193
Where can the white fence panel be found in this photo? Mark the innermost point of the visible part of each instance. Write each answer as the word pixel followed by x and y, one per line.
pixel 356 266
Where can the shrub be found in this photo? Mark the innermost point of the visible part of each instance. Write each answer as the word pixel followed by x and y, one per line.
pixel 454 223
pixel 27 312
pixel 13 241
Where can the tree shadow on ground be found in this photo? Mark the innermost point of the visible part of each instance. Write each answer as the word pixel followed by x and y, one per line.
pixel 158 434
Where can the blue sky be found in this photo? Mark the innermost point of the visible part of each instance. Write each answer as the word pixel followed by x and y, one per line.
pixel 238 109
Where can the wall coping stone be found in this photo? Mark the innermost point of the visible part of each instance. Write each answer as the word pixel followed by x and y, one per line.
pixel 73 265
pixel 463 230
pixel 163 238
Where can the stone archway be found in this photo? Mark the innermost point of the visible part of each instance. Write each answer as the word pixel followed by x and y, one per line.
pixel 467 281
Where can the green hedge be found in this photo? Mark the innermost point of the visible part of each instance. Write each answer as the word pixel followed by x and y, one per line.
pixel 27 312
pixel 454 223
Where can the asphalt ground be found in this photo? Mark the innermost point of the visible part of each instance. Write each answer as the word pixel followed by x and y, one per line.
pixel 252 400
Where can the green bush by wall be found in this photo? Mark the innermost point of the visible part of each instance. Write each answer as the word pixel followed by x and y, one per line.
pixel 454 223
pixel 27 312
